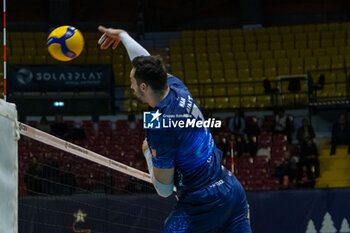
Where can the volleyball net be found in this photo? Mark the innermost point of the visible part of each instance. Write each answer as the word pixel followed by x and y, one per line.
pixel 66 187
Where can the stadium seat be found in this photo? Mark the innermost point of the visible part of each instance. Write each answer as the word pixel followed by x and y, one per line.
pixel 27 60
pixel 201 57
pixel 270 68
pixel 339 43
pixel 238 40
pixel 312 44
pixel 249 101
pixel 212 41
pixel 194 91
pixel 258 89
pixel 300 37
pixel 29 51
pixel 174 58
pixel 297 66
pixel 327 35
pixel 175 50
pixel 266 55
pixel 317 52
pixel 243 74
pixel 222 102
pixel 213 48
pixel 262 39
pixel 239 47
pixel 263 46
pixel 310 63
pixel 214 57
pixel 279 54
pixel 219 90
pixel 231 76
pixel 202 65
pixel 324 62
pixel 106 59
pixel 257 75
pixel 206 91
pixel 305 53
pixel 283 66
pixel 300 44
pixel 332 51
pixel 18 51
pixel 187 49
pixel 14 60
pixel 253 55
pixel 288 37
pixel 263 101
pixel 218 76
pixel 341 76
pixel 276 45
pixel 227 56
pixel 250 46
pixel 225 48
pixel 209 103
pixel 327 43
pixel 189 57
pixel 233 89
pixel 40 60
pixel 339 34
pixel 241 56
pixel 337 62
pixel 191 76
pixel 275 38
pixel 292 53
pixel 247 89
pixel 234 102
pixel 204 76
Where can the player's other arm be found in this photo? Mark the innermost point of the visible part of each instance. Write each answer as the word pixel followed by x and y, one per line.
pixel 113 36
pixel 162 178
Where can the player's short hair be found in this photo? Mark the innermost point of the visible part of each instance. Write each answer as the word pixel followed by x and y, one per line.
pixel 150 70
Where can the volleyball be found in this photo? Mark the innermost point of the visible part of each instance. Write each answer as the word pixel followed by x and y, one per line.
pixel 65 43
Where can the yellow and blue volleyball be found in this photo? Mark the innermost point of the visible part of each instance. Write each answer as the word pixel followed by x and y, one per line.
pixel 65 43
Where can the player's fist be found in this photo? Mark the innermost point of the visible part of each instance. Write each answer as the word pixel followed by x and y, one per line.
pixel 144 146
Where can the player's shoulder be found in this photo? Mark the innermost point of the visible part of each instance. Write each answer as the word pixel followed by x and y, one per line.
pixel 175 82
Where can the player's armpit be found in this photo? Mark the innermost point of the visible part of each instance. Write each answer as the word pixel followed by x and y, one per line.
pixel 164 175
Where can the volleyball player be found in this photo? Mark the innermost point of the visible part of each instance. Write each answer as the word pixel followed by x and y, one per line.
pixel 210 198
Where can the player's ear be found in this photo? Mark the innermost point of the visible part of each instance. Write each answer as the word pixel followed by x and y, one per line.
pixel 143 86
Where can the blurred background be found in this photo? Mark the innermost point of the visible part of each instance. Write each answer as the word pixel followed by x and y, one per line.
pixel 275 72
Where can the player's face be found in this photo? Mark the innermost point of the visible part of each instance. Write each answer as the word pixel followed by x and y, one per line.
pixel 136 88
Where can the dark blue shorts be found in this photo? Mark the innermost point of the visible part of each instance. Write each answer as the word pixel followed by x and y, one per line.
pixel 221 207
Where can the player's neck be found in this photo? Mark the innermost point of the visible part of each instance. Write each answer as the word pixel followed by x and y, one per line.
pixel 157 99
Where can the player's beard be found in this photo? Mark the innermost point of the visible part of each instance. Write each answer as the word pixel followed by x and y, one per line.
pixel 140 95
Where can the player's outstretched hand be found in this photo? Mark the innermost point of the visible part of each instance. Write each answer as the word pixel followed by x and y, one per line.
pixel 110 36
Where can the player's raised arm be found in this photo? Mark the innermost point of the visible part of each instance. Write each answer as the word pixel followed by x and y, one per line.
pixel 114 36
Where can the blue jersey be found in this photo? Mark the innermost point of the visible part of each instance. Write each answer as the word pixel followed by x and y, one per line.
pixel 191 151
pixel 211 199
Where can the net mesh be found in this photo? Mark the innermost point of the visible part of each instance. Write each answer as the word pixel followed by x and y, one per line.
pixel 61 192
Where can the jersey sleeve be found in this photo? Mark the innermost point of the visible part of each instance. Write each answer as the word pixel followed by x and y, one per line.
pixel 173 81
pixel 164 148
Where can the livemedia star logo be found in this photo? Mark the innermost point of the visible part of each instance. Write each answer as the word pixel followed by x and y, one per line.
pixel 156 120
